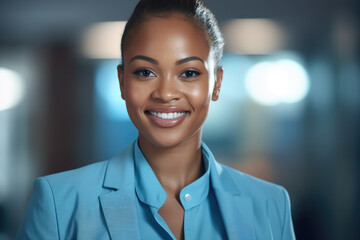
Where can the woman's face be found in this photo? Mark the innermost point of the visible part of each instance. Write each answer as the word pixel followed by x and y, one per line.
pixel 168 80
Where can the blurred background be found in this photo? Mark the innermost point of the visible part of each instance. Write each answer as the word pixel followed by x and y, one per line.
pixel 289 109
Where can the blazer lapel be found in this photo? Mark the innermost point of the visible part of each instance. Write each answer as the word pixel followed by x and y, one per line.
pixel 119 208
pixel 237 211
pixel 237 214
pixel 119 205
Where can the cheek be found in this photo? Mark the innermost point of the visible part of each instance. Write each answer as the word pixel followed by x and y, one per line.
pixel 200 95
pixel 134 96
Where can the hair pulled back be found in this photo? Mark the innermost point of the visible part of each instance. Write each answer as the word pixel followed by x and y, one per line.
pixel 193 9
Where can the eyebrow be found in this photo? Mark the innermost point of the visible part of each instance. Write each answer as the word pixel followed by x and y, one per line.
pixel 188 59
pixel 145 58
pixel 178 62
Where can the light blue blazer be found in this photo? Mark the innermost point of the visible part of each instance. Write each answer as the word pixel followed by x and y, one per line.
pixel 99 202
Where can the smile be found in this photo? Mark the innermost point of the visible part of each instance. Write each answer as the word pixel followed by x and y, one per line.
pixel 165 117
pixel 169 116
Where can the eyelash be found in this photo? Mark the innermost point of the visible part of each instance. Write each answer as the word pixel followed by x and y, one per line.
pixel 141 73
pixel 146 73
pixel 194 74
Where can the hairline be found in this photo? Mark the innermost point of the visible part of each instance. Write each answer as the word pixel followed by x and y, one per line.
pixel 168 14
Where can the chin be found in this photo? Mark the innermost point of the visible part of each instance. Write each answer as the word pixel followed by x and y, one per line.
pixel 168 139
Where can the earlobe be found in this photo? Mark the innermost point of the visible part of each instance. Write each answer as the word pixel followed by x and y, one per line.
pixel 219 77
pixel 121 80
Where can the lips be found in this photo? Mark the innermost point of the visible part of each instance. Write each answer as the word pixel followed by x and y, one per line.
pixel 166 117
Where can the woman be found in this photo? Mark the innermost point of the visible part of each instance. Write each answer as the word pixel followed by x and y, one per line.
pixel 167 184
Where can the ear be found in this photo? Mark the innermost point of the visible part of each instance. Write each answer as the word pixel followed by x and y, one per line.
pixel 120 71
pixel 218 81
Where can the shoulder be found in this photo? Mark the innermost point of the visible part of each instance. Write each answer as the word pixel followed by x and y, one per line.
pixel 54 199
pixel 236 182
pixel 93 179
pixel 78 178
pixel 250 186
pixel 66 189
pixel 267 199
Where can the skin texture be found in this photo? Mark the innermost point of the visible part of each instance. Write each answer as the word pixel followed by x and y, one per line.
pixel 168 66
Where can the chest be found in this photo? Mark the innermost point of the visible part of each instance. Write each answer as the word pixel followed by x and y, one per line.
pixel 203 221
pixel 173 214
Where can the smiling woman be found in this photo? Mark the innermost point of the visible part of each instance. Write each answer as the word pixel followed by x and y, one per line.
pixel 173 74
pixel 167 184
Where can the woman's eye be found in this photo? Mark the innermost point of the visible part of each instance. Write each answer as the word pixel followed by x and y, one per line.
pixel 144 73
pixel 190 74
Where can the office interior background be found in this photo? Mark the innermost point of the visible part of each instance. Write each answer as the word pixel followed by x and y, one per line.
pixel 289 108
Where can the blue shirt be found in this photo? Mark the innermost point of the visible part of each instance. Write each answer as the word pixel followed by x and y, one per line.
pixel 202 217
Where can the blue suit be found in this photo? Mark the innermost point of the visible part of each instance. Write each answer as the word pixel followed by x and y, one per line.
pixel 99 202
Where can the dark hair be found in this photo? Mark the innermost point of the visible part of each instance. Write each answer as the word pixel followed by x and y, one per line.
pixel 194 9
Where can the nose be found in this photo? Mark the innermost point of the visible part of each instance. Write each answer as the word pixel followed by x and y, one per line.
pixel 166 90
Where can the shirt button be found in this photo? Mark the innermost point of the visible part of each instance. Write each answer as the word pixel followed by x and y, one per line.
pixel 187 197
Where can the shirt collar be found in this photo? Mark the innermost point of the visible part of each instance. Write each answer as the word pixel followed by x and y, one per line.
pixel 197 191
pixel 148 187
pixel 150 191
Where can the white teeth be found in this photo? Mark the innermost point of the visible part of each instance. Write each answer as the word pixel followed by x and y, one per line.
pixel 167 115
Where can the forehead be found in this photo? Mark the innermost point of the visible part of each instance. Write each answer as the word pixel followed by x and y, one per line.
pixel 175 35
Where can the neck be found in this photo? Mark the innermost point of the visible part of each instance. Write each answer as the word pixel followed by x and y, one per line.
pixel 176 166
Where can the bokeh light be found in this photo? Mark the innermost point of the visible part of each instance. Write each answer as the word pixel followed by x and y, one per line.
pixel 11 89
pixel 102 40
pixel 272 83
pixel 254 36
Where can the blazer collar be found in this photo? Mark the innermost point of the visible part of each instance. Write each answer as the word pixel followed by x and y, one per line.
pixel 119 206
pixel 236 210
pixel 120 170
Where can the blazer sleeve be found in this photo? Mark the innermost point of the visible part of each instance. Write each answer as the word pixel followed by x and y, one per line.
pixel 40 220
pixel 287 229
